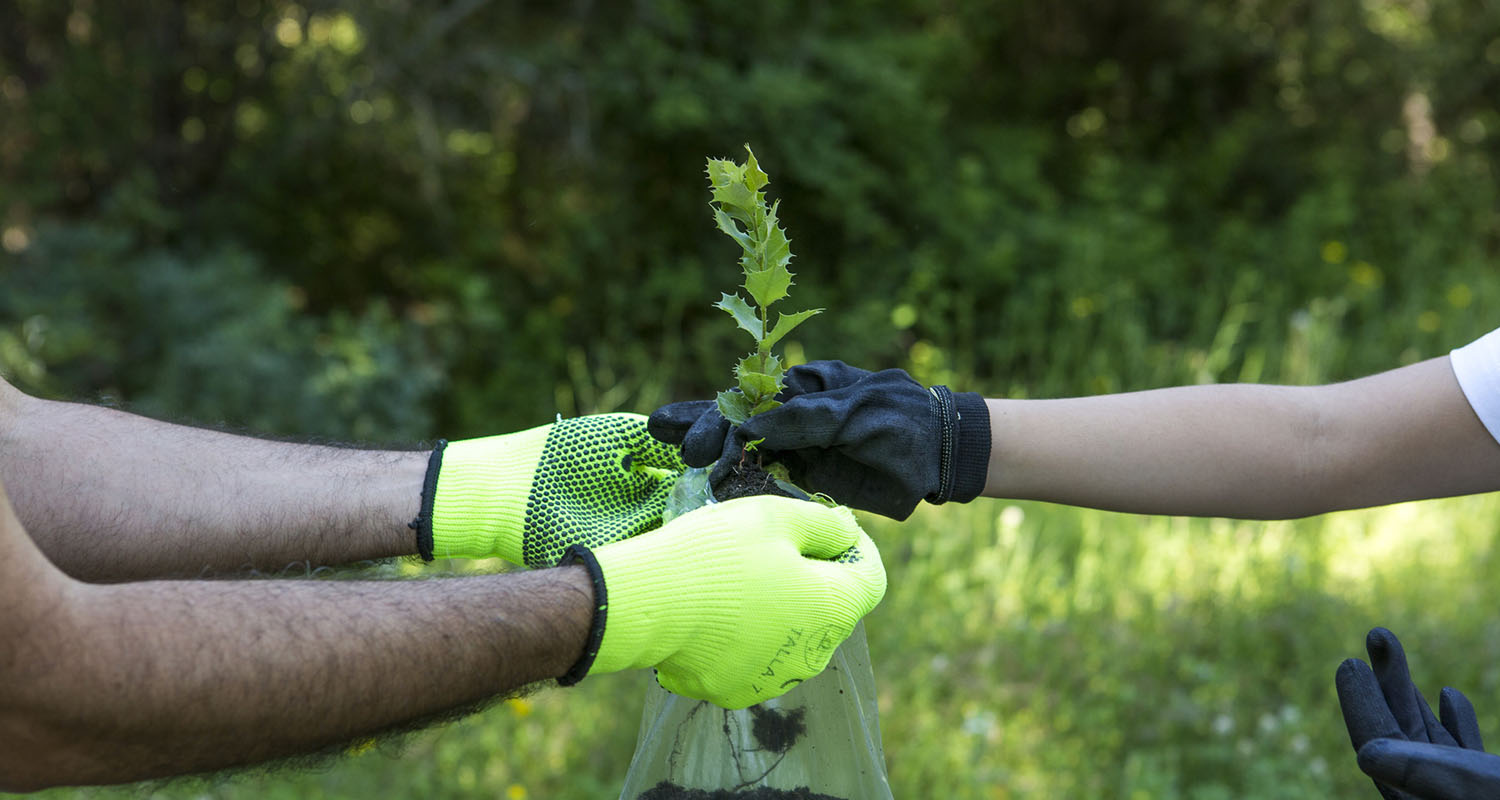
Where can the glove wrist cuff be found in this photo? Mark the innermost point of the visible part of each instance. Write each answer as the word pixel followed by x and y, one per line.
pixel 963 422
pixel 479 508
pixel 423 523
pixel 578 554
pixel 971 452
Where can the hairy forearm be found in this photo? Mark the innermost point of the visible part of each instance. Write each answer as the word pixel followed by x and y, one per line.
pixel 112 496
pixel 1250 451
pixel 134 681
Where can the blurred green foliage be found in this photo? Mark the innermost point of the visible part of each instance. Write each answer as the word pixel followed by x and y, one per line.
pixel 389 221
pixel 501 205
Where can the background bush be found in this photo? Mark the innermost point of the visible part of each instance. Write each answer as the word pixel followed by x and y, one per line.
pixel 388 221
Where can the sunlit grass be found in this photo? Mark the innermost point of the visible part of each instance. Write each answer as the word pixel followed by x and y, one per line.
pixel 1028 650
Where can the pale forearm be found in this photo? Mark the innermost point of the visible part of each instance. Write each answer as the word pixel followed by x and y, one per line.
pixel 1170 451
pixel 1250 451
pixel 113 496
pixel 156 679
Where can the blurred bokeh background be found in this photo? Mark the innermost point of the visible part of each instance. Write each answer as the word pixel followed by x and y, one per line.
pixel 387 221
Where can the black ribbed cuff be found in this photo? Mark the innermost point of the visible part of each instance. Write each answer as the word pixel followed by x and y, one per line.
pixel 940 403
pixel 971 452
pixel 423 523
pixel 578 554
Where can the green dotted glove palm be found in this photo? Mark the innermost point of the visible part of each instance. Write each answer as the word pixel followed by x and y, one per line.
pixel 526 497
pixel 734 603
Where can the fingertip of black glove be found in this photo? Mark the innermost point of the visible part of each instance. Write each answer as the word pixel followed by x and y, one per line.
pixel 1375 758
pixel 672 421
pixel 1458 716
pixel 705 441
pixel 1350 669
pixel 1382 645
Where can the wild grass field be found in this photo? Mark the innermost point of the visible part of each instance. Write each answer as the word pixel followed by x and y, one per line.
pixel 1033 651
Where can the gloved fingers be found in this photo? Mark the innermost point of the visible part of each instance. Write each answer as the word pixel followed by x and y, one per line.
pixel 706 439
pixel 1430 771
pixel 722 468
pixel 671 422
pixel 1459 719
pixel 857 574
pixel 879 411
pixel 819 376
pixel 1366 713
pixel 801 422
pixel 1388 660
pixel 816 531
pixel 647 454
pixel 645 514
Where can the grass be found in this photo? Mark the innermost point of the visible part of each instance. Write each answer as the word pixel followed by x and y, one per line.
pixel 1027 650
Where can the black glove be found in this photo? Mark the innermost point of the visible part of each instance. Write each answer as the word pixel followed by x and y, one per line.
pixel 873 440
pixel 1400 744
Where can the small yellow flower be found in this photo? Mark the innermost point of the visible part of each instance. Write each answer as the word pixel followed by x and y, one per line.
pixel 519 706
pixel 1365 275
pixel 515 792
pixel 1334 252
pixel 1460 295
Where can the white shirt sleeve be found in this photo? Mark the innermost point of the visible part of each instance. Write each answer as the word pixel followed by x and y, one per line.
pixel 1477 367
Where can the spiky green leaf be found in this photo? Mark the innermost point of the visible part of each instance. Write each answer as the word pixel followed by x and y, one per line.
pixel 734 406
pixel 764 406
pixel 727 225
pixel 743 314
pixel 723 172
pixel 760 375
pixel 755 178
pixel 777 250
pixel 774 368
pixel 768 220
pixel 786 322
pixel 736 197
pixel 768 285
pixel 757 386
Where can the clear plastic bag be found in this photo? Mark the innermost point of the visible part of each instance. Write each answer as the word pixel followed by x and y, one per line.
pixel 819 741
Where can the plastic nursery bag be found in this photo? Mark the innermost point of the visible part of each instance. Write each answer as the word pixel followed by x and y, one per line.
pixel 819 741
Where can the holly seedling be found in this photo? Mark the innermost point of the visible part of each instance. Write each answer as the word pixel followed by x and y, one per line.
pixel 740 211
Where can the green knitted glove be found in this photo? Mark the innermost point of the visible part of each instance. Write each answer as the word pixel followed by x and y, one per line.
pixel 527 496
pixel 734 603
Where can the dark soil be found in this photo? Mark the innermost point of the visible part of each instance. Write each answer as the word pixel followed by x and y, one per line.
pixel 777 730
pixel 671 791
pixel 747 479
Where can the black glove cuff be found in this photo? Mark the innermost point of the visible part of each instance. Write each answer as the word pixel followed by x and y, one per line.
pixel 578 554
pixel 971 453
pixel 423 523
pixel 963 447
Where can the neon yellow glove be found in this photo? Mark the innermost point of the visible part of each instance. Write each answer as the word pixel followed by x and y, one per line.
pixel 527 496
pixel 734 603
